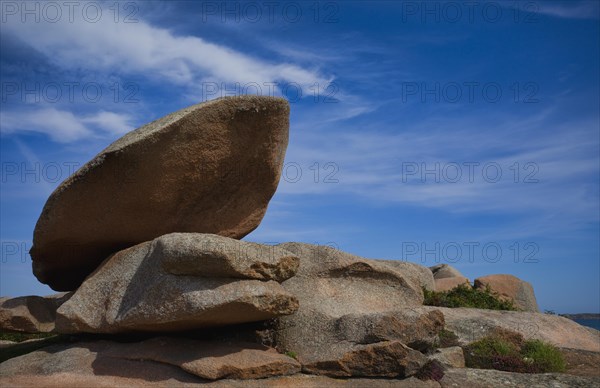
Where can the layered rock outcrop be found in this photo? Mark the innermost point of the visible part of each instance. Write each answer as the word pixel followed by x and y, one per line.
pixel 181 281
pixel 348 310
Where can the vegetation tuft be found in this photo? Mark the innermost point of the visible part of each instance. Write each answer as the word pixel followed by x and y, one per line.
pixel 508 351
pixel 446 339
pixel 466 296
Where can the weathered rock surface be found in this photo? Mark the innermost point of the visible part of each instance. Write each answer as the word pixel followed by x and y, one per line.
pixel 30 314
pixel 417 274
pixel 441 271
pixel 346 324
pixel 472 324
pixel 486 378
pixel 447 284
pixel 209 255
pixel 582 362
pixel 452 357
pixel 208 168
pixel 133 290
pixel 510 287
pixel 207 360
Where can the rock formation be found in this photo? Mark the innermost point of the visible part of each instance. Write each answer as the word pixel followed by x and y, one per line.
pixel 165 294
pixel 30 314
pixel 512 288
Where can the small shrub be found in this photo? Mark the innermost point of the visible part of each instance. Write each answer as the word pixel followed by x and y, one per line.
pixel 514 363
pixel 432 370
pixel 546 356
pixel 466 296
pixel 512 337
pixel 446 339
pixel 481 354
pixel 508 351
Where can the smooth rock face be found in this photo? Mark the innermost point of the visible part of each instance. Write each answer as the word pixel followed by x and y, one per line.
pixel 417 274
pixel 208 168
pixel 207 360
pixel 133 290
pixel 510 287
pixel 447 284
pixel 347 323
pixel 30 314
pixel 208 255
pixel 441 271
pixel 486 378
pixel 473 324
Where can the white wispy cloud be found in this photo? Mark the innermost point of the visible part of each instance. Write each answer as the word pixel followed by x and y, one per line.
pixel 64 126
pixel 143 49
pixel 371 161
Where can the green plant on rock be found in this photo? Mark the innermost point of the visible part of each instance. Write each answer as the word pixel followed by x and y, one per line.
pixel 546 356
pixel 291 354
pixel 466 296
pixel 508 351
pixel 446 339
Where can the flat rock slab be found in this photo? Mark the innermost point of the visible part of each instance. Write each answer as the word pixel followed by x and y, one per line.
pixel 473 324
pixel 187 358
pixel 208 168
pixel 133 290
pixel 485 378
pixel 30 314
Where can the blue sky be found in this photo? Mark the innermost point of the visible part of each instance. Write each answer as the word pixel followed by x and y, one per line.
pixel 429 132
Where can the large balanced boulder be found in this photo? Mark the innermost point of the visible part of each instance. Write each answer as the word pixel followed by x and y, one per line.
pixel 511 288
pixel 30 314
pixel 208 168
pixel 347 323
pixel 144 288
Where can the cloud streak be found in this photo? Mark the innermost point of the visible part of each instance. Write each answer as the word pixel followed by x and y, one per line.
pixel 63 126
pixel 140 48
